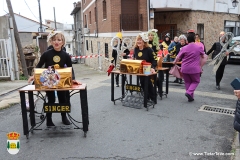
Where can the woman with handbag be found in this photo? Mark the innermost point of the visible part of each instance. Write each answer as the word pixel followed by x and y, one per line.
pixel 190 67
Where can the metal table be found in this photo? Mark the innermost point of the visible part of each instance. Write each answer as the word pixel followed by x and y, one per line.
pixel 81 89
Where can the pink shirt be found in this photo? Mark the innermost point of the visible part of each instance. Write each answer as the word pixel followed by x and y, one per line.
pixel 190 55
pixel 200 44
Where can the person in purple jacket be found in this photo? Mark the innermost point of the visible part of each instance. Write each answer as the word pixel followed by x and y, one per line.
pixel 190 68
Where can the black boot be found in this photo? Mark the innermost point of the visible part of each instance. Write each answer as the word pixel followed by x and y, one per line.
pixel 49 119
pixel 176 81
pixel 65 119
pixel 117 83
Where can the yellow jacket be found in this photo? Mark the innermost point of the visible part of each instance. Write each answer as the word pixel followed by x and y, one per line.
pixel 165 46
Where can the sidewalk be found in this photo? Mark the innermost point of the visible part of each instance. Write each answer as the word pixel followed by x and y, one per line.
pixel 9 94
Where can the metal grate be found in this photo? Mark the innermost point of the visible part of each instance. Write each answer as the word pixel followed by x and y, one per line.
pixel 219 110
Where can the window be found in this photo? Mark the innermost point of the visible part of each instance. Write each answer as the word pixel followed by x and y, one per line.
pixel 91 47
pixel 85 23
pixel 106 50
pixel 95 14
pixel 200 31
pixel 232 26
pixel 87 45
pixel 104 9
pixel 90 18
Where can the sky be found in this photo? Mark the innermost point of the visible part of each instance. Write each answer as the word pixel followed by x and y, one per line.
pixel 63 9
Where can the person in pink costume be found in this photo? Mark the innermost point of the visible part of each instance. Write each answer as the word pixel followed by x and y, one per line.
pixel 190 68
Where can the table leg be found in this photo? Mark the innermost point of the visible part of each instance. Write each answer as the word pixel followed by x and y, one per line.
pixel 24 114
pixel 84 107
pixel 130 81
pixel 160 78
pixel 155 88
pixel 146 79
pixel 112 87
pixel 167 81
pixel 32 107
pixel 123 85
pixel 130 77
pixel 137 80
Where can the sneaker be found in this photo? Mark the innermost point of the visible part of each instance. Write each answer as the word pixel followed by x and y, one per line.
pixel 117 85
pixel 217 87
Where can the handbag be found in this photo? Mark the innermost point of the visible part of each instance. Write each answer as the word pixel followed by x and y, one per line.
pixel 176 71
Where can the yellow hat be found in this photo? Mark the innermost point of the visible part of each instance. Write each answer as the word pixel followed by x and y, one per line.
pixel 119 35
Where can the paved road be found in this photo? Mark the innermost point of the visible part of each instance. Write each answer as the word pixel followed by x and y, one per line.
pixel 173 130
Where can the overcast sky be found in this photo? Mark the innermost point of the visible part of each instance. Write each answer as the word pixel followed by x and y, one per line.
pixel 63 9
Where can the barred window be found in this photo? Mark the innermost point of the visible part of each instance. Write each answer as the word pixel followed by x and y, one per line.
pixel 91 47
pixel 106 50
pixel 87 45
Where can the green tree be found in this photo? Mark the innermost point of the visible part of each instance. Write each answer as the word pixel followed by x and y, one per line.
pixel 17 145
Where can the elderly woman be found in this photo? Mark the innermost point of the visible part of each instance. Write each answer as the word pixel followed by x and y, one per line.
pixel 142 51
pixel 182 42
pixel 191 68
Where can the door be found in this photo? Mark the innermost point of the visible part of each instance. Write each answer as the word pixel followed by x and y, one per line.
pixel 43 45
pixel 163 29
pixel 4 60
pixel 129 18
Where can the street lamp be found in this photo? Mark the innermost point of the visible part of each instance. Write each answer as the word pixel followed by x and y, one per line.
pixel 235 3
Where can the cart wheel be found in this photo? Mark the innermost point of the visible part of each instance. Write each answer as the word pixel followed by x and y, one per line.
pixel 27 136
pixel 85 134
pixel 42 117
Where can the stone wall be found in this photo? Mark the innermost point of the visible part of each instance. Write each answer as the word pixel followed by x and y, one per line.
pixel 25 38
pixel 213 22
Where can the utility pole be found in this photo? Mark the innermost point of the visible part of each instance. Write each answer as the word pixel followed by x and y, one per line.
pixel 16 35
pixel 40 17
pixel 55 19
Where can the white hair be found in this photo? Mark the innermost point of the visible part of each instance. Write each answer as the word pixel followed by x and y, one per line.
pixel 182 37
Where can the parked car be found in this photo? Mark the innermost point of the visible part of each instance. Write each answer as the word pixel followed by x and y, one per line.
pixel 232 57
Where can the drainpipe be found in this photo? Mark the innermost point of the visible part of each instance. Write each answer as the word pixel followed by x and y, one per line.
pixel 96 18
pixel 38 43
pixel 148 10
pixel 214 6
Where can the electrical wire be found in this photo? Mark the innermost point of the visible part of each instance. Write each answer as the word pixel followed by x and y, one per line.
pixel 30 9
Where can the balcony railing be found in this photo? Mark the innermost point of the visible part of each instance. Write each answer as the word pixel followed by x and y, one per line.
pixel 131 22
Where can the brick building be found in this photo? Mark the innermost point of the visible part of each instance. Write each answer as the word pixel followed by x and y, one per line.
pixel 96 22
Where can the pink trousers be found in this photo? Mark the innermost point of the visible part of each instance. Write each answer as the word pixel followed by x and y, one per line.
pixel 191 82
